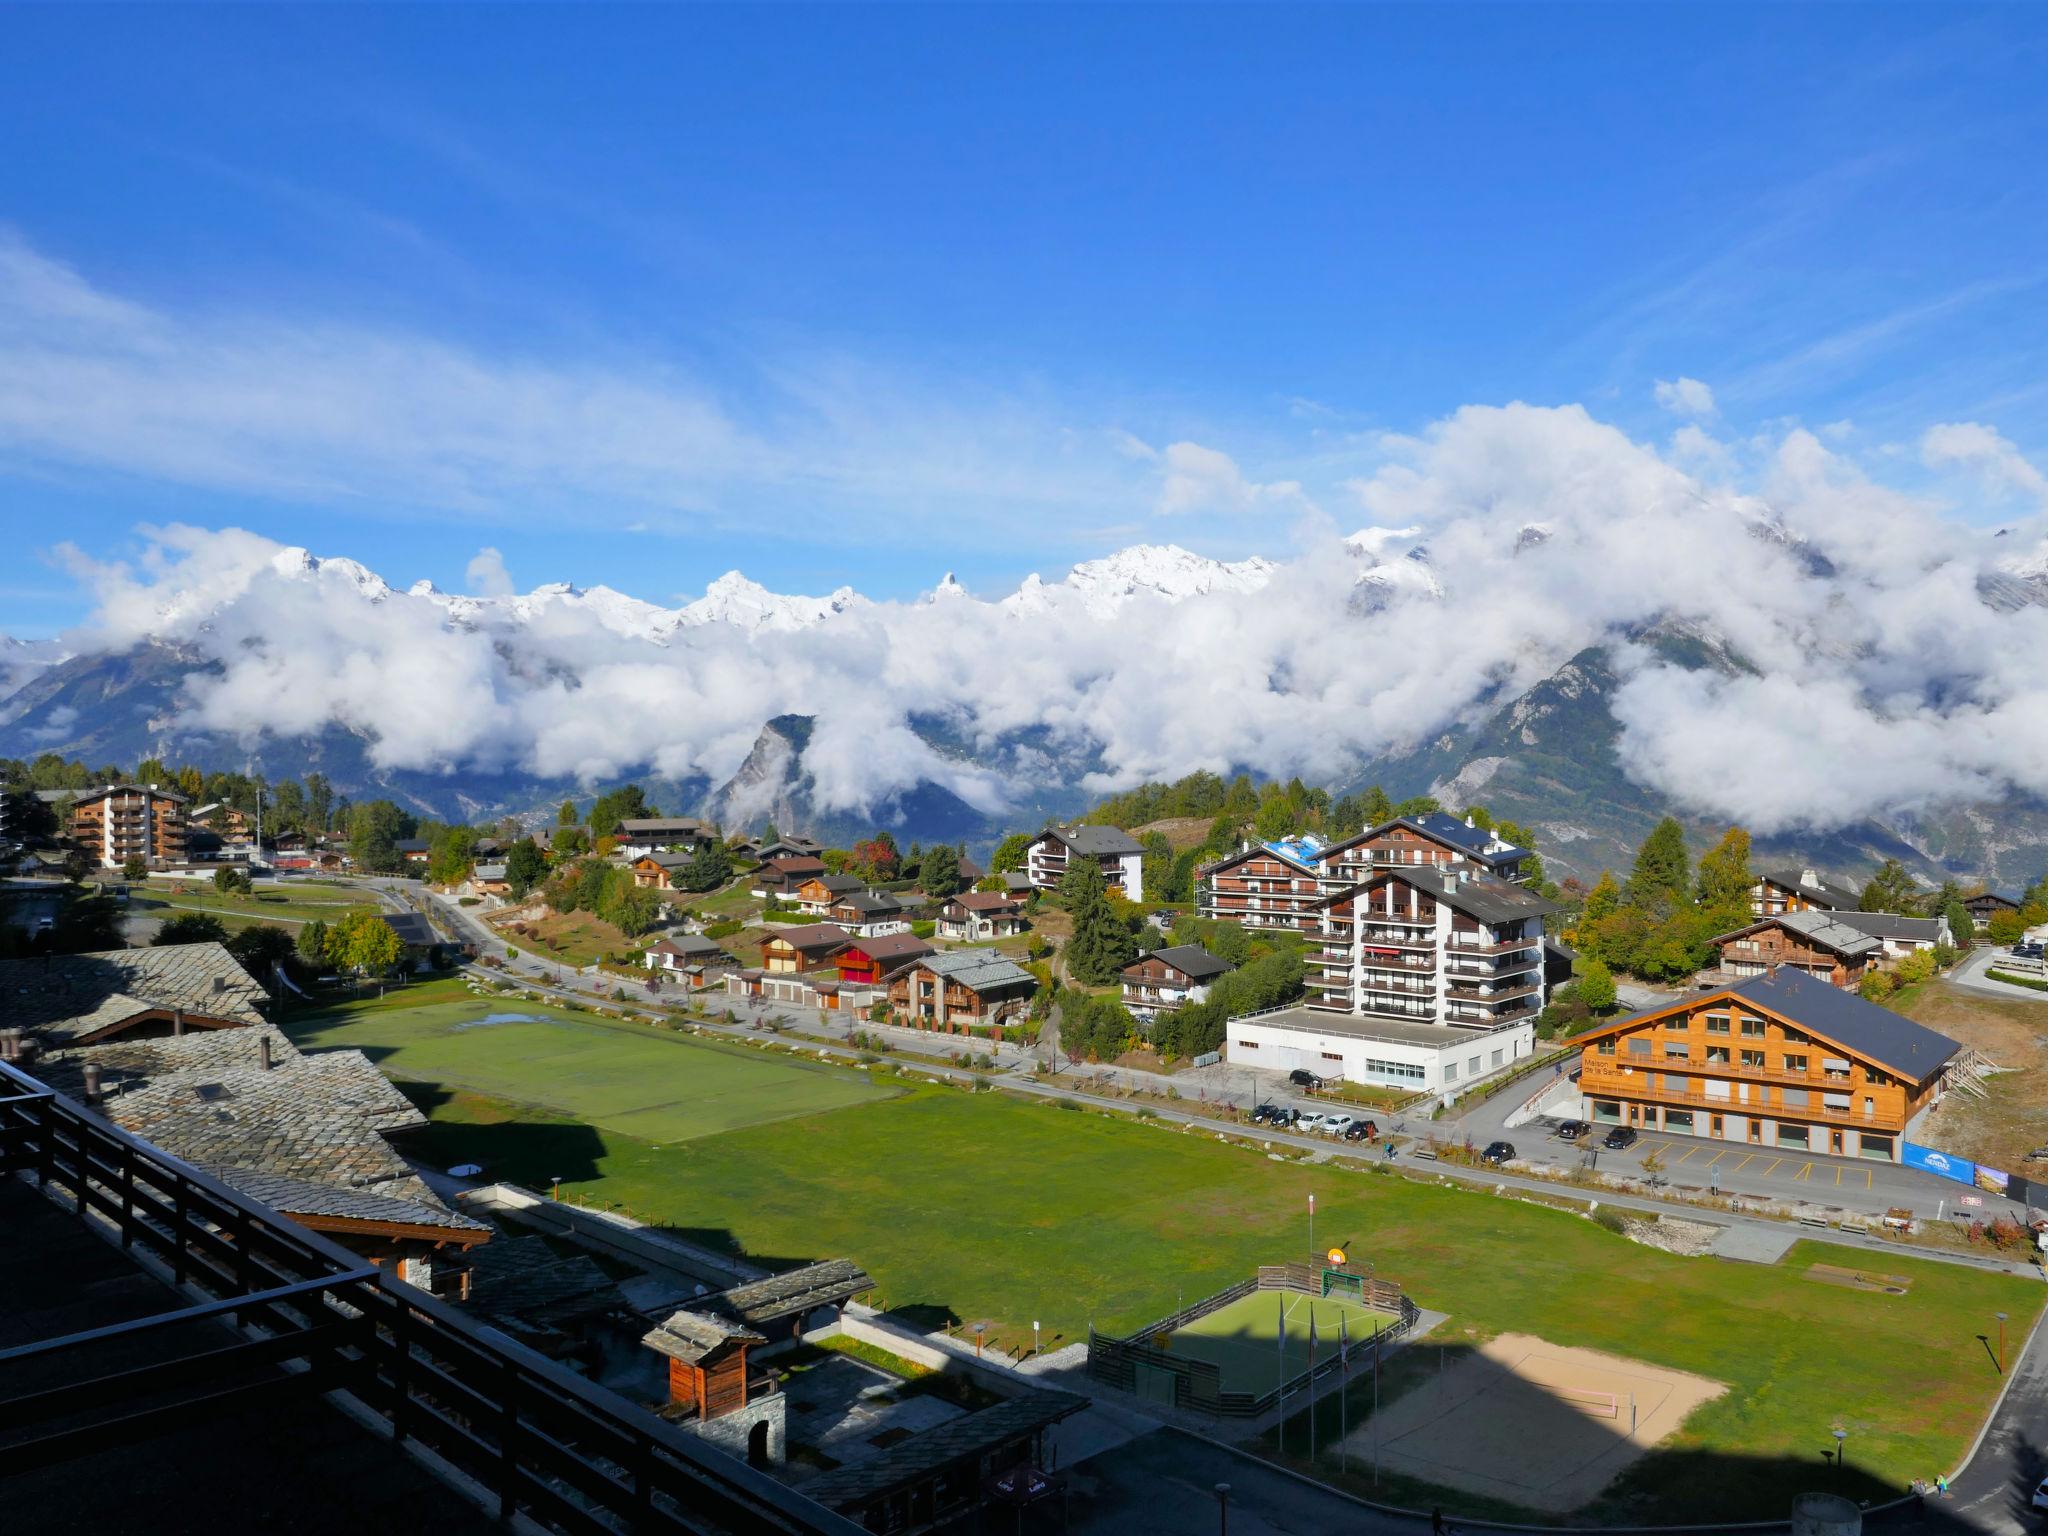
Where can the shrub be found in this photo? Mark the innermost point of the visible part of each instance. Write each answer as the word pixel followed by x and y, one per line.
pixel 1607 1216
pixel 2017 981
pixel 922 929
pixel 724 930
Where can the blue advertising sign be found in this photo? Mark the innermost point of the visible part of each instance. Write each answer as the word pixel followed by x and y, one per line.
pixel 1946 1164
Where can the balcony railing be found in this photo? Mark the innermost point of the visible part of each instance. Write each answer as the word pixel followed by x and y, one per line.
pixel 1639 1086
pixel 1817 1081
pixel 546 1444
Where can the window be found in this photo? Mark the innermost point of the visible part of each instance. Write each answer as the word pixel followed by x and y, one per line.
pixel 1676 1050
pixel 1872 1075
pixel 1794 1063
pixel 1753 1028
pixel 1717 1024
pixel 1794 1098
pixel 1498 1058
pixel 1752 1058
pixel 1790 1135
pixel 1333 1055
pixel 1673 1084
pixel 1717 1055
pixel 1604 1047
pixel 1639 1047
pixel 1678 1120
pixel 1244 1045
pixel 1681 1023
pixel 1794 1037
pixel 1406 1071
pixel 1450 1071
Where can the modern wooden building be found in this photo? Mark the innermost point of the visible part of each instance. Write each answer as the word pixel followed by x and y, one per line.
pixel 1782 1060
pixel 1799 890
pixel 960 990
pixel 816 894
pixel 1436 841
pixel 870 914
pixel 1432 944
pixel 1161 980
pixel 780 877
pixel 1276 885
pixel 660 870
pixel 119 822
pixel 1806 940
pixel 655 834
pixel 787 951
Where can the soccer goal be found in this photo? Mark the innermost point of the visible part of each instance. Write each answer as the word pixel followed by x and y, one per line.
pixel 1600 1405
pixel 1336 1281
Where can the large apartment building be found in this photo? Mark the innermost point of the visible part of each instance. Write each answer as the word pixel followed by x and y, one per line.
pixel 1437 841
pixel 1276 885
pixel 1448 946
pixel 1782 1060
pixel 1113 850
pixel 118 822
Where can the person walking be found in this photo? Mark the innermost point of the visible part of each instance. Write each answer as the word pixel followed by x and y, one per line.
pixel 1436 1521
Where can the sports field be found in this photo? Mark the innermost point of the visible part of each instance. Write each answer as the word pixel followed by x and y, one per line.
pixel 629 1078
pixel 1258 1341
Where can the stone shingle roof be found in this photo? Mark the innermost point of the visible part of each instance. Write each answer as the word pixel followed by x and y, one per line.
pixel 691 1336
pixel 978 970
pixel 791 1293
pixel 1191 960
pixel 524 1278
pixel 964 1439
pixel 67 997
pixel 1822 929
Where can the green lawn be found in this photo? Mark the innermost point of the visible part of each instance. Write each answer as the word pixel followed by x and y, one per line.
pixel 288 906
pixel 629 1078
pixel 990 1208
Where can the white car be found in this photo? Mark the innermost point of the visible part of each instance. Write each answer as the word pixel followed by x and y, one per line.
pixel 1311 1120
pixel 2041 1495
pixel 1337 1125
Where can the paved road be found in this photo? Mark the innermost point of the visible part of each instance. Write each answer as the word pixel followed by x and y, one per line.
pixel 1969 975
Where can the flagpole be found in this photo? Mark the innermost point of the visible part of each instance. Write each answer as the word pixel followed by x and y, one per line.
pixel 1344 1393
pixel 1280 1428
pixel 1311 1383
pixel 1311 1239
pixel 1377 1349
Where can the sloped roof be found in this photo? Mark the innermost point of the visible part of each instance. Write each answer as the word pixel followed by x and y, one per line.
pixel 890 946
pixel 965 1438
pixel 67 997
pixel 85 796
pixel 869 904
pixel 1821 929
pixel 978 970
pixel 692 1336
pixel 1469 840
pixel 1814 887
pixel 1191 960
pixel 412 928
pixel 1292 853
pixel 1484 898
pixel 1096 841
pixel 686 946
pixel 986 901
pixel 304 1197
pixel 810 936
pixel 657 826
pixel 839 885
pixel 791 1293
pixel 1890 925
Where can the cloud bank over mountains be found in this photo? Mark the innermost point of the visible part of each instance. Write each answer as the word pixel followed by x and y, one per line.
pixel 1880 655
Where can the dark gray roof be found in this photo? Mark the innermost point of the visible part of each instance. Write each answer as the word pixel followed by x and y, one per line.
pixel 1450 830
pixel 1482 897
pixel 639 828
pixel 1890 925
pixel 892 946
pixel 688 946
pixel 1815 887
pixel 840 885
pixel 1825 929
pixel 691 1336
pixel 791 1293
pixel 304 1197
pixel 413 930
pixel 966 1438
pixel 1191 960
pixel 126 789
pixel 66 997
pixel 522 1278
pixel 867 904
pixel 1893 1040
pixel 810 935
pixel 1097 841
pixel 410 844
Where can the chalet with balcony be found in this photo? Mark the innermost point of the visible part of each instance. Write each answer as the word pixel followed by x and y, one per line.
pixel 790 951
pixel 1986 905
pixel 816 894
pixel 1276 885
pixel 1799 890
pixel 868 961
pixel 961 989
pixel 689 955
pixel 779 878
pixel 977 916
pixel 1437 945
pixel 1808 940
pixel 219 817
pixel 1161 980
pixel 1784 1060
pixel 119 822
pixel 1435 841
pixel 639 835
pixel 661 870
pixel 1113 850
pixel 1900 936
pixel 489 880
pixel 869 914
pixel 788 848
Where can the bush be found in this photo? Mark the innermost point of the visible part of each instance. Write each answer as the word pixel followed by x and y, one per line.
pixel 467 901
pixel 1607 1216
pixel 2011 980
pixel 922 929
pixel 724 930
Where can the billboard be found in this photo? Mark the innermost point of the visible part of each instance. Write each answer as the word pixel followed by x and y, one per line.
pixel 1990 1179
pixel 1946 1164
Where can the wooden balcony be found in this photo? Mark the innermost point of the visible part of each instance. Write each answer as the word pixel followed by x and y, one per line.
pixel 1642 1088
pixel 1735 1071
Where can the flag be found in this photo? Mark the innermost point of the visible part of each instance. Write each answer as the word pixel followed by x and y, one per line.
pixel 1311 1337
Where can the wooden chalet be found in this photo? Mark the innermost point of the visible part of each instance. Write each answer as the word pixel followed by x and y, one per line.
pixel 787 951
pixel 1164 979
pixel 1805 940
pixel 489 880
pixel 1986 905
pixel 973 916
pixel 871 960
pixel 1782 1060
pixel 1275 885
pixel 779 878
pixel 789 848
pixel 661 871
pixel 653 834
pixel 1437 841
pixel 1114 851
pixel 816 894
pixel 691 953
pixel 707 1362
pixel 870 914
pixel 960 989
pixel 1799 890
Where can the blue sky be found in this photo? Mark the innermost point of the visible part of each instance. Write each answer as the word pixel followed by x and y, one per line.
pixel 861 295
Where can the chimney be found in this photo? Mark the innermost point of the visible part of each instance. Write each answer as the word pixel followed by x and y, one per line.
pixel 263 1053
pixel 1469 821
pixel 92 1082
pixel 177 1022
pixel 220 985
pixel 10 1039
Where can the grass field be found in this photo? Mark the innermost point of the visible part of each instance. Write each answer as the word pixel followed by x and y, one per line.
pixel 985 1207
pixel 571 938
pixel 288 906
pixel 1243 1337
pixel 655 1086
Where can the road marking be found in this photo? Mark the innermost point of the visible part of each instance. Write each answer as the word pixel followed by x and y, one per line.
pixel 1838 1176
pixel 1691 1152
pixel 1743 1164
pixel 1774 1163
pixel 1866 1178
pixel 1805 1171
pixel 1724 1152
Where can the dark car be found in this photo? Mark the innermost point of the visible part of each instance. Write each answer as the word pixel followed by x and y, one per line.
pixel 1497 1152
pixel 1301 1077
pixel 1273 1114
pixel 1573 1130
pixel 1361 1130
pixel 1621 1136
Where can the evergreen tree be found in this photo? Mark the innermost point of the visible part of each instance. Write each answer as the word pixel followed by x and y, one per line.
pixel 525 865
pixel 939 872
pixel 566 816
pixel 709 868
pixel 1241 800
pixel 313 944
pixel 1891 889
pixel 1102 944
pixel 189 928
pixel 608 810
pixel 134 868
pixel 1601 900
pixel 1376 810
pixel 1661 878
pixel 260 946
pixel 1962 928
pixel 1275 816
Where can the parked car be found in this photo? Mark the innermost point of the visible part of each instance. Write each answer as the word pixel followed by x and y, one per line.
pixel 1273 1114
pixel 1361 1130
pixel 1301 1077
pixel 1497 1152
pixel 1573 1130
pixel 1309 1121
pixel 1621 1136
pixel 1337 1125
pixel 2040 1499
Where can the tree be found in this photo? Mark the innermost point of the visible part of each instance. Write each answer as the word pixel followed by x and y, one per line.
pixel 2006 928
pixel 374 830
pixel 1419 805
pixel 1660 879
pixel 568 842
pixel 363 941
pixel 1596 985
pixel 621 804
pixel 189 928
pixel 1891 889
pixel 1532 867
pixel 319 802
pixel 451 856
pixel 233 882
pixel 1724 877
pixel 525 865
pixel 709 868
pixel 261 946
pixel 939 872
pixel 1274 818
pixel 1601 900
pixel 566 816
pixel 1962 928
pixel 876 856
pixel 1102 944
pixel 134 868
pixel 312 944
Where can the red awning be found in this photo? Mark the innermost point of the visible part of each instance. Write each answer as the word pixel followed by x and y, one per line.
pixel 1374 949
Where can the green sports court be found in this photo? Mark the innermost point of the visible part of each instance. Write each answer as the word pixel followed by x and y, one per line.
pixel 1261 1340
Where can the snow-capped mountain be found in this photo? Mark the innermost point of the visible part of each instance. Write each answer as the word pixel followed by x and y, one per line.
pixel 1102 587
pixel 733 599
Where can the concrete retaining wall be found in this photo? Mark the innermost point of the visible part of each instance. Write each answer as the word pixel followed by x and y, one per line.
pixel 621 1235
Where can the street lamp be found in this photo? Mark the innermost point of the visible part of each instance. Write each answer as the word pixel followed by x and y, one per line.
pixel 1841 1453
pixel 1223 1509
pixel 2001 1343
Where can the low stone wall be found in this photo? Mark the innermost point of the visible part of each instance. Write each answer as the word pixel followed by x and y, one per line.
pixel 730 1432
pixel 621 1235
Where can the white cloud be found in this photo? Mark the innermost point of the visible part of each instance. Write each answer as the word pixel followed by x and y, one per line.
pixel 1195 478
pixel 1972 445
pixel 487 575
pixel 1685 397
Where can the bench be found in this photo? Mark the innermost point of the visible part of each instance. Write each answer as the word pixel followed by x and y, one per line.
pixel 1857 1225
pixel 1424 1153
pixel 1814 1221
